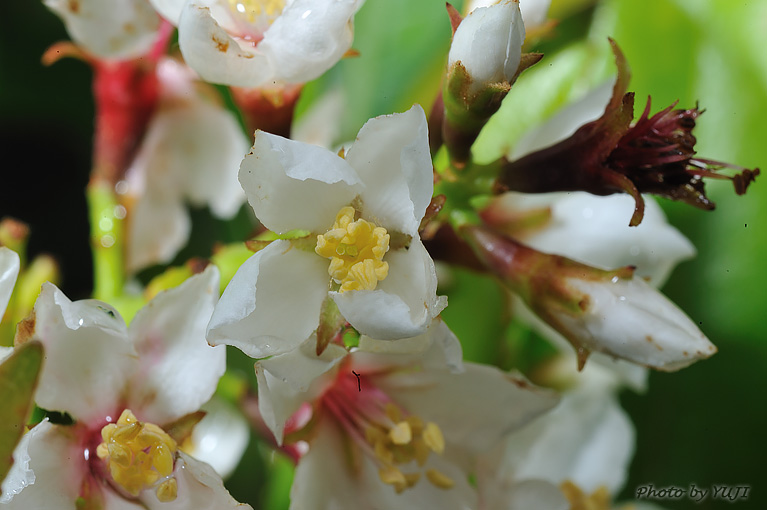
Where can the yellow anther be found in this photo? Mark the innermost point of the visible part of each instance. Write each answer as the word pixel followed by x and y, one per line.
pixel 401 433
pixel 416 424
pixel 167 490
pixel 355 249
pixel 420 451
pixel 439 479
pixel 407 439
pixel 579 500
pixel 391 475
pixel 138 455
pixel 254 10
pixel 432 436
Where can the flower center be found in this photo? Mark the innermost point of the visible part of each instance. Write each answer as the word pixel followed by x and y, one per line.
pixel 355 249
pixel 579 500
pixel 262 11
pixel 139 456
pixel 398 444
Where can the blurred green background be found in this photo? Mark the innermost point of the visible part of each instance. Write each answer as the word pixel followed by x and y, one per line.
pixel 704 425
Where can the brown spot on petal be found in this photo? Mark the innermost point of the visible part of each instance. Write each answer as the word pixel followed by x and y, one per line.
pixel 221 46
pixel 652 341
pixel 519 383
pixel 25 329
pixel 74 6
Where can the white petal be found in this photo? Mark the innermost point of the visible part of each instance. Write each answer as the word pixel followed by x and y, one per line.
pixel 323 479
pixel 587 439
pixel 474 409
pixel 391 156
pixel 88 356
pixel 437 349
pixel 169 9
pixel 9 270
pixel 199 486
pixel 488 43
pixel 119 30
pixel 287 381
pixel 404 303
pixel 194 149
pixel 308 38
pixel 534 12
pixel 218 58
pixel 631 320
pixel 565 122
pixel 158 230
pixel 293 185
pixel 47 471
pixel 582 225
pixel 114 501
pixel 178 371
pixel 212 178
pixel 221 437
pixel 272 304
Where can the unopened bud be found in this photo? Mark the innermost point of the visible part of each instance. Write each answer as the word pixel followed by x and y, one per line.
pixel 613 312
pixel 488 43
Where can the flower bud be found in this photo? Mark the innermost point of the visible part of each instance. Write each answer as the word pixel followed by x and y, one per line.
pixel 488 44
pixel 613 312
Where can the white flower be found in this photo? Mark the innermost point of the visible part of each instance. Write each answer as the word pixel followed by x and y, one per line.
pixel 111 29
pixel 488 43
pixel 248 43
pixel 191 151
pixel 98 370
pixel 404 433
pixel 533 11
pixel 354 207
pixel 9 271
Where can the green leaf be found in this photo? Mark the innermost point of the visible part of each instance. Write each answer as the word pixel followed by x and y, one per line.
pixel 542 91
pixel 477 314
pixel 18 380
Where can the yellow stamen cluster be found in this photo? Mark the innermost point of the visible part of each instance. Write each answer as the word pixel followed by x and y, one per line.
pixel 355 249
pixel 579 500
pixel 139 456
pixel 256 9
pixel 407 440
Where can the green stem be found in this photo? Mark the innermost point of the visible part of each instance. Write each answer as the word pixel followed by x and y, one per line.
pixel 107 239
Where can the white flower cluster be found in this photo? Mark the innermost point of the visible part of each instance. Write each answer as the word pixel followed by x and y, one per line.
pixel 356 370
